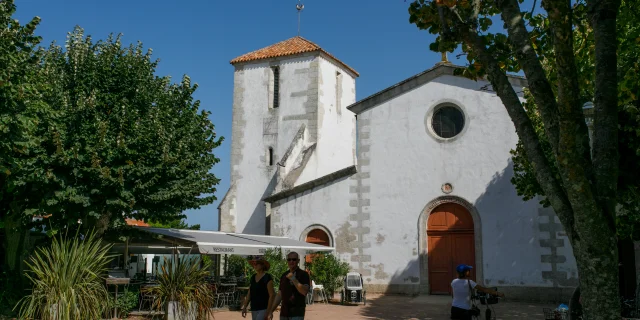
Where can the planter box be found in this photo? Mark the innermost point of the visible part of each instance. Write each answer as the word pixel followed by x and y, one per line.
pixel 173 312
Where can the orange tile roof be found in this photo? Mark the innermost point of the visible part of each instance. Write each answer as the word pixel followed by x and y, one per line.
pixel 295 45
pixel 137 223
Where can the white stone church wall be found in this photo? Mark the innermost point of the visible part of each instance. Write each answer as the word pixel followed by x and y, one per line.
pixel 409 165
pixel 375 218
pixel 335 149
pixel 256 127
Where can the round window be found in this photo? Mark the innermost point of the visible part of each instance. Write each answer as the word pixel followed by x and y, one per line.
pixel 447 122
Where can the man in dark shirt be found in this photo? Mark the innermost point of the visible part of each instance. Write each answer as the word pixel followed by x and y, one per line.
pixel 294 285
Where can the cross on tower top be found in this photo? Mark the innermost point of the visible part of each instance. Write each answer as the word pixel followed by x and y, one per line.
pixel 299 7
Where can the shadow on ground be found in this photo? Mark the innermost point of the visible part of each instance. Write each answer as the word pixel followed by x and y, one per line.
pixel 397 307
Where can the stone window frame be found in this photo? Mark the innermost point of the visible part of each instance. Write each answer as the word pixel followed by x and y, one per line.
pixel 439 105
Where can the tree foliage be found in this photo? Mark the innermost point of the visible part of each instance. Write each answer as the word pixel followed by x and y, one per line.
pixel 326 269
pixel 580 182
pixel 628 68
pixel 90 135
pixel 175 224
pixel 126 143
pixel 21 111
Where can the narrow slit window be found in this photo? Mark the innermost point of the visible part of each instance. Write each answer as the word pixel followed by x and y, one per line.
pixel 338 92
pixel 276 87
pixel 270 156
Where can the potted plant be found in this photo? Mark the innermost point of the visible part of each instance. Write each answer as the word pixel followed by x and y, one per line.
pixel 183 292
pixel 67 280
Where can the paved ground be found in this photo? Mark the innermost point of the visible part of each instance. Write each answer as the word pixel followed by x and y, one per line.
pixel 405 308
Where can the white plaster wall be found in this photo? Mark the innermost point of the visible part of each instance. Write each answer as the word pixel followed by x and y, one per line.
pixel 252 178
pixel 336 139
pixel 407 169
pixel 409 166
pixel 254 173
pixel 326 205
pixel 292 83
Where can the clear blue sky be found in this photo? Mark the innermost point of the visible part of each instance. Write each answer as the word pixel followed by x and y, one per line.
pixel 200 37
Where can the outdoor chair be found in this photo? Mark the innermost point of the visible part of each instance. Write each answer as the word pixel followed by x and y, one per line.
pixel 146 297
pixel 321 292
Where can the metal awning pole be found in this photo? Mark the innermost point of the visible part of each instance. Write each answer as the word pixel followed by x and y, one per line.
pixel 126 257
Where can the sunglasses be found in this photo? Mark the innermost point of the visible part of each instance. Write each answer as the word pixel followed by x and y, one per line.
pixel 292 259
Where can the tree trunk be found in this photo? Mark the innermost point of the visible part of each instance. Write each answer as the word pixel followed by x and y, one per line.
pixel 594 241
pixel 15 242
pixel 628 281
pixel 102 224
pixel 598 272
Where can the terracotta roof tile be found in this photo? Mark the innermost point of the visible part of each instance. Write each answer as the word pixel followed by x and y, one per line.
pixel 295 45
pixel 138 223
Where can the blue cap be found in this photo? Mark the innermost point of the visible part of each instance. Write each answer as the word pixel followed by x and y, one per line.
pixel 463 268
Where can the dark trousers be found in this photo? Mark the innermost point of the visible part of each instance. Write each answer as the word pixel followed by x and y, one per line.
pixel 460 314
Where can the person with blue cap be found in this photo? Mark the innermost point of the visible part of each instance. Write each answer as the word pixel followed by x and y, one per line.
pixel 462 288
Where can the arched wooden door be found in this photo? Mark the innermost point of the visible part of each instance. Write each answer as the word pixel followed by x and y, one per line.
pixel 450 239
pixel 319 237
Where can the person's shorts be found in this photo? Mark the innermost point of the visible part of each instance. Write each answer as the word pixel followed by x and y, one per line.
pixel 258 314
pixel 460 314
pixel 291 318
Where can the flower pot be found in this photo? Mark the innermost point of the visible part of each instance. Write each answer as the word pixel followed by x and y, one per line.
pixel 174 312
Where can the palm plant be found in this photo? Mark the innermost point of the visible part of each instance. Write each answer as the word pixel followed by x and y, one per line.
pixel 68 280
pixel 183 282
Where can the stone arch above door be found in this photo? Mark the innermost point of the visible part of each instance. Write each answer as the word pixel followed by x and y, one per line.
pixel 310 229
pixel 422 237
pixel 316 234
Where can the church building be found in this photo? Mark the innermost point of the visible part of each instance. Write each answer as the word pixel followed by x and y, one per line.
pixel 405 184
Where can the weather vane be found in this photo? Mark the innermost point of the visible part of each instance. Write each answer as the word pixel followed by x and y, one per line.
pixel 299 7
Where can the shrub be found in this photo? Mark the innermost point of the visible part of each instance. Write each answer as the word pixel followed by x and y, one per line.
pixel 67 280
pixel 278 263
pixel 126 302
pixel 11 292
pixel 238 266
pixel 185 283
pixel 327 270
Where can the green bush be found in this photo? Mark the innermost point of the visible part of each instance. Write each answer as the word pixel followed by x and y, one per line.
pixel 278 263
pixel 67 280
pixel 126 302
pixel 10 293
pixel 327 270
pixel 238 266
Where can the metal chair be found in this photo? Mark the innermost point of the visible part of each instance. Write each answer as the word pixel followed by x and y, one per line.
pixel 146 297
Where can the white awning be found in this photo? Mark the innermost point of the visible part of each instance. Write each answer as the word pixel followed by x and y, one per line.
pixel 214 242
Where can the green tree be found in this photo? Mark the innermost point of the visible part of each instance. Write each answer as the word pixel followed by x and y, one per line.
pixel 628 68
pixel 174 224
pixel 580 187
pixel 21 112
pixel 127 143
pixel 102 137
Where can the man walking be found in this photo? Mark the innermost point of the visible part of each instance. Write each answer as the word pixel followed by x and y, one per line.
pixel 294 286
